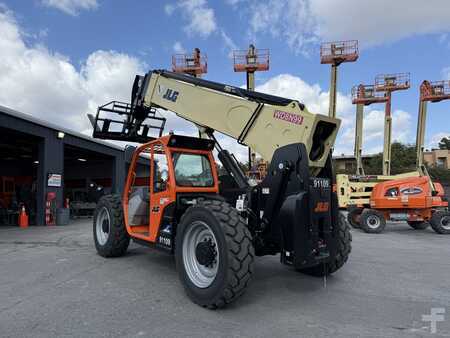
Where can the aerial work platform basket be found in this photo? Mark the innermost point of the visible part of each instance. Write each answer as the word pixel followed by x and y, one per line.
pixel 392 82
pixel 251 60
pixel 435 91
pixel 337 52
pixel 194 64
pixel 366 94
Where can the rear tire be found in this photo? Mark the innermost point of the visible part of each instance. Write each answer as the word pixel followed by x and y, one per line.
pixel 217 273
pixel 372 221
pixel 110 234
pixel 418 225
pixel 354 217
pixel 344 248
pixel 440 222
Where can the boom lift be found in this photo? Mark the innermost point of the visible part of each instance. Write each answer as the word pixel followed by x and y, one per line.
pixel 406 197
pixel 429 92
pixel 388 83
pixel 363 95
pixel 177 205
pixel 335 53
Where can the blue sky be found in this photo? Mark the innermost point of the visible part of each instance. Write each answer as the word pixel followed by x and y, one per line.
pixel 72 55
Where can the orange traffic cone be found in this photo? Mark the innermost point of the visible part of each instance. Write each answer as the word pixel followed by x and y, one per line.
pixel 23 218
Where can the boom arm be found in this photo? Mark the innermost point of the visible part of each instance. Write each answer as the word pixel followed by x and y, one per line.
pixel 263 122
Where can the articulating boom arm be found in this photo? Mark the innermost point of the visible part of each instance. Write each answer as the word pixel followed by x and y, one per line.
pixel 263 122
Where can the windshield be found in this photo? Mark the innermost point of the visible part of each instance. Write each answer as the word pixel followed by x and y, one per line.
pixel 192 170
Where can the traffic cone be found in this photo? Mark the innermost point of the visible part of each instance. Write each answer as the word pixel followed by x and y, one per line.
pixel 23 218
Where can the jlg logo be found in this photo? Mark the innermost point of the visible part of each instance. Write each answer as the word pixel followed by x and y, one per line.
pixel 167 93
pixel 321 207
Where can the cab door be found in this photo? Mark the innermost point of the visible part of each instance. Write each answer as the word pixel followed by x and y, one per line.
pixel 160 195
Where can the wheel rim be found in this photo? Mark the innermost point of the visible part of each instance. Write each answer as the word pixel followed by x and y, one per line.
pixel 102 226
pixel 373 222
pixel 196 237
pixel 445 222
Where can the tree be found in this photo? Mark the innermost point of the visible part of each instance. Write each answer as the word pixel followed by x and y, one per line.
pixel 445 143
pixel 403 159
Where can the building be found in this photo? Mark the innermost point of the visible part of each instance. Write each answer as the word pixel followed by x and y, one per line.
pixel 347 163
pixel 438 158
pixel 42 164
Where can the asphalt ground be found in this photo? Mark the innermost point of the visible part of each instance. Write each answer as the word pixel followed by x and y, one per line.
pixel 53 284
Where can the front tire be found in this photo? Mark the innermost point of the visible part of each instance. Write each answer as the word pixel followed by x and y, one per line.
pixel 344 248
pixel 440 222
pixel 354 217
pixel 372 221
pixel 418 225
pixel 214 253
pixel 110 234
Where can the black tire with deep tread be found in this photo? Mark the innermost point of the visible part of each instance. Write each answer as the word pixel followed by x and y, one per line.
pixel 436 222
pixel 118 239
pixel 343 251
pixel 364 221
pixel 418 225
pixel 234 242
pixel 354 212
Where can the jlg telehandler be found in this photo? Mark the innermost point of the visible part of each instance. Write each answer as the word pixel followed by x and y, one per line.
pixel 172 200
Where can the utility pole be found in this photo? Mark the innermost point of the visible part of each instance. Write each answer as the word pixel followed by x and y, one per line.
pixel 250 61
pixel 335 53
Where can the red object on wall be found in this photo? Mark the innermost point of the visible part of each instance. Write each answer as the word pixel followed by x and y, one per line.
pixel 50 209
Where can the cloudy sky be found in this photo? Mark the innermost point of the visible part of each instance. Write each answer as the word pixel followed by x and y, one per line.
pixel 60 59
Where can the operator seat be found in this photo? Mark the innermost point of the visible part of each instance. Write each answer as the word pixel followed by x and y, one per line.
pixel 139 206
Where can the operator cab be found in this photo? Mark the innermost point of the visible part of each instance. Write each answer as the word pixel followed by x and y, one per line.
pixel 165 177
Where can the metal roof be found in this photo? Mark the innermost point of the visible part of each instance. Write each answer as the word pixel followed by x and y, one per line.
pixel 49 125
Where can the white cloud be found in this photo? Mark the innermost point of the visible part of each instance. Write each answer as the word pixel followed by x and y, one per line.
pixel 178 48
pixel 48 86
pixel 446 73
pixel 286 19
pixel 433 141
pixel 376 22
pixel 71 7
pixel 228 43
pixel 234 2
pixel 169 9
pixel 305 22
pixel 201 18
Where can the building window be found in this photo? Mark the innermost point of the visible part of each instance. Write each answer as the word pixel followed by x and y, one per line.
pixel 440 162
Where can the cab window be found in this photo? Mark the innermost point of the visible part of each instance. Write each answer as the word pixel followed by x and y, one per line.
pixel 391 192
pixel 411 191
pixel 160 171
pixel 192 170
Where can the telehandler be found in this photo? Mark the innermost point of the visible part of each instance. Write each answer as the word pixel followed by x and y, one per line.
pixel 172 200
